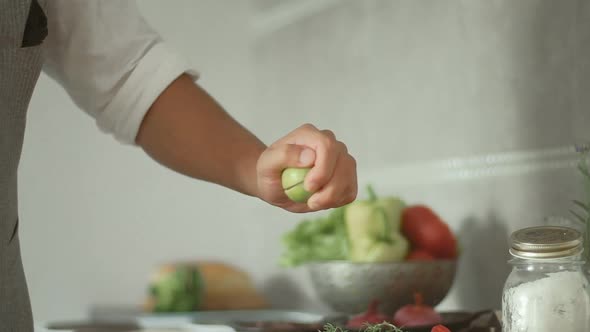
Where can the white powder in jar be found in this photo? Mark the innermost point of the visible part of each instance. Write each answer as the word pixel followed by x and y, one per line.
pixel 558 302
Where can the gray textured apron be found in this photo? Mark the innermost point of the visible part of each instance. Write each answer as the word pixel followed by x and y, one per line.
pixel 22 30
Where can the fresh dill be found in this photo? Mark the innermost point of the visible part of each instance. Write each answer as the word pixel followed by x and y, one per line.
pixel 381 327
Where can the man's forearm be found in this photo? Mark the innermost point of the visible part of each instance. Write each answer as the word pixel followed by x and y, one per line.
pixel 187 131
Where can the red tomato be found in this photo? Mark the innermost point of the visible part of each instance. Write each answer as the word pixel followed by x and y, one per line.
pixel 425 230
pixel 440 328
pixel 419 255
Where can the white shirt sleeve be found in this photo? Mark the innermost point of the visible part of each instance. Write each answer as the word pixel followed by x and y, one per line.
pixel 110 61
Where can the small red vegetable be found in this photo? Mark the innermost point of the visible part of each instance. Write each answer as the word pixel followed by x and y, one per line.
pixel 416 314
pixel 371 316
pixel 419 255
pixel 440 328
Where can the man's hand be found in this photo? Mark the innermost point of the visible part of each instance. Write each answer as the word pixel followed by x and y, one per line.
pixel 332 177
pixel 188 131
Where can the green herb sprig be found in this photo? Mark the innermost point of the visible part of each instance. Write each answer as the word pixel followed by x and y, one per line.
pixel 381 327
pixel 584 216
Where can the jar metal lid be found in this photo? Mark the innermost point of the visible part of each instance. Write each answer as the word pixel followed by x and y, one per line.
pixel 546 242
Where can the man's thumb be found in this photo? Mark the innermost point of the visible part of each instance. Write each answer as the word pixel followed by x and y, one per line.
pixel 306 157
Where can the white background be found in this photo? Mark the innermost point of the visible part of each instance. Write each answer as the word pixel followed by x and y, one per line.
pixel 407 85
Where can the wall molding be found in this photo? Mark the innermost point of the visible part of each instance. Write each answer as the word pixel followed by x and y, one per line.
pixel 471 168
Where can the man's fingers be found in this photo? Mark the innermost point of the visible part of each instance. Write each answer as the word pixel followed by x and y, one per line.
pixel 278 157
pixel 327 151
pixel 341 188
pixel 332 177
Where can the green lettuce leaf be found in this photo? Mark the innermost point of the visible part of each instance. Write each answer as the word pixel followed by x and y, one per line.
pixel 321 239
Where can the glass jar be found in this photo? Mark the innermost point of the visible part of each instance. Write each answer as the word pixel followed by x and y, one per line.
pixel 547 289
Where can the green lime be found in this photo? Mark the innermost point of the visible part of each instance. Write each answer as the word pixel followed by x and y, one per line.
pixel 292 181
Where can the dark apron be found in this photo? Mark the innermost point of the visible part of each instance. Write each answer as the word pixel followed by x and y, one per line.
pixel 23 28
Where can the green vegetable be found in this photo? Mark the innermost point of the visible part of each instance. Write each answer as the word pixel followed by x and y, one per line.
pixel 317 240
pixel 292 181
pixel 381 327
pixel 373 228
pixel 179 290
pixel 362 231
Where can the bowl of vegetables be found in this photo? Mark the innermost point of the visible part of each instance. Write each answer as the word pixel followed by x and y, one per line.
pixel 376 250
pixel 349 287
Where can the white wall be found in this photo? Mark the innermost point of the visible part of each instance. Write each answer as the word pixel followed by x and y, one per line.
pixel 406 84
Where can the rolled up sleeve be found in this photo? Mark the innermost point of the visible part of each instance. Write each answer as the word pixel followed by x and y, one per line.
pixel 110 61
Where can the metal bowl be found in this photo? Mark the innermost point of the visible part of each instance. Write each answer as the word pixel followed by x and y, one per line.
pixel 348 287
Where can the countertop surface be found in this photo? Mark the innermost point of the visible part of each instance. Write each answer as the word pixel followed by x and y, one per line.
pixel 483 321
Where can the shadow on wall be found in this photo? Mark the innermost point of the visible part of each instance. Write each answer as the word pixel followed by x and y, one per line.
pixel 483 265
pixel 283 292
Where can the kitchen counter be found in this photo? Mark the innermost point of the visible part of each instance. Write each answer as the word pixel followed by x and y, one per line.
pixel 485 321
